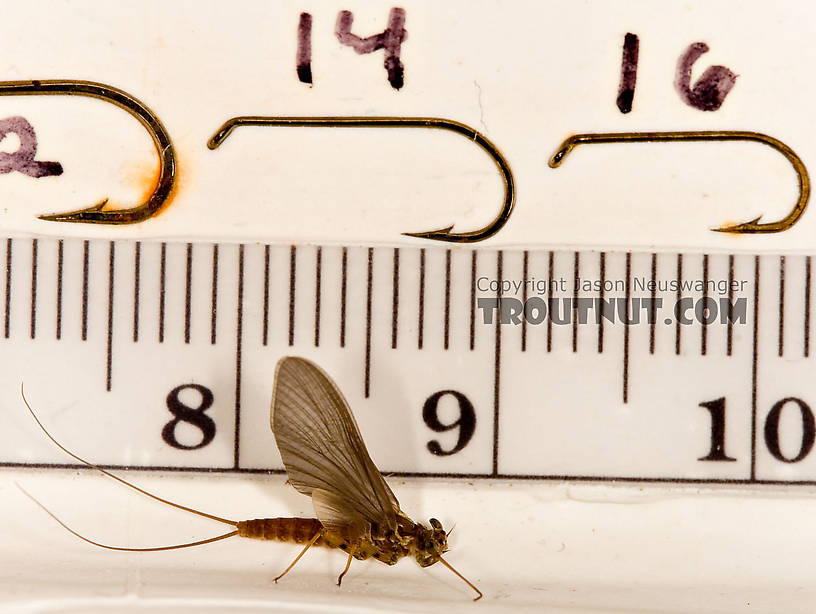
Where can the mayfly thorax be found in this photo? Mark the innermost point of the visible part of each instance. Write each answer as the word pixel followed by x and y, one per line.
pixel 325 458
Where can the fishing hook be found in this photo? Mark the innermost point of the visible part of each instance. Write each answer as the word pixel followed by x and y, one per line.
pixel 164 147
pixel 753 226
pixel 442 234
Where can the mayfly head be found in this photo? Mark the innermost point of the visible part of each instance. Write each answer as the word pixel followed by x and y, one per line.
pixel 431 543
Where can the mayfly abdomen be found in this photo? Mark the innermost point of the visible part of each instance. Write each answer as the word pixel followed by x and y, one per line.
pixel 297 530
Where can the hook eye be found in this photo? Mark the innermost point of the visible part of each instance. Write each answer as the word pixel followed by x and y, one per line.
pixel 441 234
pixel 753 226
pixel 97 214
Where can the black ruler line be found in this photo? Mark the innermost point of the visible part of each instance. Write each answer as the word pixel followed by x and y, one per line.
pixel 421 300
pixel 239 334
pixel 318 275
pixel 85 258
pixel 137 274
pixel 497 366
pixel 369 288
pixel 754 369
pixel 162 287
pixel 395 299
pixel 214 295
pixel 292 280
pixel 421 474
pixel 8 288
pixel 59 289
pixel 109 345
pixel 33 315
pixel 188 293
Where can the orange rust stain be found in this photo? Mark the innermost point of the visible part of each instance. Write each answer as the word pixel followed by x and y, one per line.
pixel 144 176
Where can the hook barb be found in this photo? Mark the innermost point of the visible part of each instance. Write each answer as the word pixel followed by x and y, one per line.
pixel 441 234
pixel 97 214
pixel 753 226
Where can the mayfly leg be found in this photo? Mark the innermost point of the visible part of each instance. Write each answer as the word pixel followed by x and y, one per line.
pixel 348 564
pixel 297 558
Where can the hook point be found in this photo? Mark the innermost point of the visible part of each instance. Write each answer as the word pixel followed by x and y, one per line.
pixel 443 234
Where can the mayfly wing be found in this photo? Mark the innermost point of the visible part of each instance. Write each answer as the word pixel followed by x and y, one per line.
pixel 323 451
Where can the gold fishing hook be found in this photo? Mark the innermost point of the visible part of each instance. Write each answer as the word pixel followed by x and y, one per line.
pixel 164 147
pixel 752 226
pixel 442 234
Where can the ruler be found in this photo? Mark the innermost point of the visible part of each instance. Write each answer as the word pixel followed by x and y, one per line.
pixel 668 367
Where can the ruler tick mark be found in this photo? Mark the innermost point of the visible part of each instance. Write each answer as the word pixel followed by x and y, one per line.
pixel 137 272
pixel 188 293
pixel 729 331
pixel 781 342
pixel 265 321
pixel 214 295
pixel 343 292
pixel 602 275
pixel 33 317
pixel 369 289
pixel 653 314
pixel 8 287
pixel 677 328
pixel 550 274
pixel 754 370
pixel 576 278
pixel 473 299
pixel 703 324
pixel 395 300
pixel 626 325
pixel 239 330
pixel 421 302
pixel 292 276
pixel 497 365
pixel 85 257
pixel 318 274
pixel 162 287
pixel 446 328
pixel 524 266
pixel 807 307
pixel 109 346
pixel 59 288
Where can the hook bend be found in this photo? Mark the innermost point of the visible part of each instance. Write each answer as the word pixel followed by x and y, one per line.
pixel 96 214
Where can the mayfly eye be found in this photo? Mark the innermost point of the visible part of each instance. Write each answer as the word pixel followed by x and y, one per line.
pixel 436 524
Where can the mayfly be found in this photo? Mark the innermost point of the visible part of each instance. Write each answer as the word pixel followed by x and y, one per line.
pixel 325 458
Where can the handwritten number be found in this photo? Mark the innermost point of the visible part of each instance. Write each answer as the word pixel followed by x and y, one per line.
pixel 629 63
pixel 711 89
pixel 191 415
pixel 23 160
pixel 389 40
pixel 466 423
